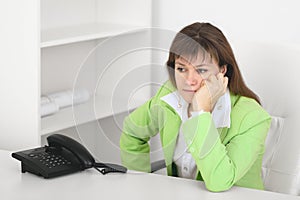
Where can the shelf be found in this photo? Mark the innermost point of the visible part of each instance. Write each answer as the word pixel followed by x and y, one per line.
pixel 84 32
pixel 65 117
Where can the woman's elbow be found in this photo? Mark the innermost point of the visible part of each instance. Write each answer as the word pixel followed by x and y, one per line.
pixel 218 186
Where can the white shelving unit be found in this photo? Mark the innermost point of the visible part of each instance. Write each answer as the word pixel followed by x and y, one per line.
pixel 66 35
pixel 88 112
pixel 99 20
pixel 58 36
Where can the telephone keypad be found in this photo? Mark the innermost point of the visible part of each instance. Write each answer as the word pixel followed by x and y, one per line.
pixel 50 160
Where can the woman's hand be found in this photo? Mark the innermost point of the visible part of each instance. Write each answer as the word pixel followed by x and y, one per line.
pixel 209 92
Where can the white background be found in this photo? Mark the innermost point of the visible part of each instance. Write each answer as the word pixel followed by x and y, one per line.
pixel 263 20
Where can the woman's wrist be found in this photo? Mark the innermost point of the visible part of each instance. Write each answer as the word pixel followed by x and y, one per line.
pixel 197 113
pixel 199 108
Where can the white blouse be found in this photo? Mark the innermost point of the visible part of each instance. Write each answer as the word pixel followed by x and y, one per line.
pixel 186 166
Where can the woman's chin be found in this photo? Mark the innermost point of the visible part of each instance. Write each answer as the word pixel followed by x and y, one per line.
pixel 188 99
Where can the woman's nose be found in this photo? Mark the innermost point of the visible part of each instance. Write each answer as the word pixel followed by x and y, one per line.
pixel 193 78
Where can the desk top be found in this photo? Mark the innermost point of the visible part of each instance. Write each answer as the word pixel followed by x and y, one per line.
pixel 90 184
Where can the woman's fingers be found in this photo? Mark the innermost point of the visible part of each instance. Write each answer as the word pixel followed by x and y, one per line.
pixel 217 85
pixel 211 89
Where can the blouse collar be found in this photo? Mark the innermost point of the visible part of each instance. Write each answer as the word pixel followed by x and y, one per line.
pixel 220 113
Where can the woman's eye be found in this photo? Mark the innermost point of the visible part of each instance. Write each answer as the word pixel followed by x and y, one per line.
pixel 201 71
pixel 181 69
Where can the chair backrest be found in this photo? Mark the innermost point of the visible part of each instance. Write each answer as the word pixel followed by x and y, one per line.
pixel 273 72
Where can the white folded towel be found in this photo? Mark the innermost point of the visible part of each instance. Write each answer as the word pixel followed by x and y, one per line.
pixel 51 103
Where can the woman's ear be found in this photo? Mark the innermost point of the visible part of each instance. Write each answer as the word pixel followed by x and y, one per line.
pixel 223 69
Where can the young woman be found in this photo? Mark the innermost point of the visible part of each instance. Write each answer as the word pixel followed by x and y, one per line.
pixel 211 125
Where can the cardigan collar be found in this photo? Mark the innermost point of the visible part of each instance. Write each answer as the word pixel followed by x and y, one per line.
pixel 220 113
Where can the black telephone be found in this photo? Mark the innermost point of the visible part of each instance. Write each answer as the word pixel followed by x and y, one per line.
pixel 63 156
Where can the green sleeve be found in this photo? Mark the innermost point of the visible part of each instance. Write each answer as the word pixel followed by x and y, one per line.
pixel 221 166
pixel 142 124
pixel 136 133
pixel 138 128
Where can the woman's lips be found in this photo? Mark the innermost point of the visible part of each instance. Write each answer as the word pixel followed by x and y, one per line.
pixel 190 91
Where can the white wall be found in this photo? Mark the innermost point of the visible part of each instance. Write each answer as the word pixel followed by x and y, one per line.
pixel 267 20
pixel 272 21
pixel 19 75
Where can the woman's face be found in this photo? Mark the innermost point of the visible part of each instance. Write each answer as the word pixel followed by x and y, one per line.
pixel 189 75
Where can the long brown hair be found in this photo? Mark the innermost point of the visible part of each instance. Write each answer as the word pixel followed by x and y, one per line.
pixel 210 40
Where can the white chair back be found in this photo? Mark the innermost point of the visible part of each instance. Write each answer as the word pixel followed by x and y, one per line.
pixel 273 72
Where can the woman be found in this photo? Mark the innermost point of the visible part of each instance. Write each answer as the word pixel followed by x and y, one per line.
pixel 211 125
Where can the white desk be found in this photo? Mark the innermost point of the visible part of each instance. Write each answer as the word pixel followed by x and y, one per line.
pixel 90 184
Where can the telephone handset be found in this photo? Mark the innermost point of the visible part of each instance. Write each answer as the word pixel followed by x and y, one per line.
pixel 60 141
pixel 63 155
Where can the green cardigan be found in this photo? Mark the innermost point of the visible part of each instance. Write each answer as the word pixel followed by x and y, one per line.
pixel 224 157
